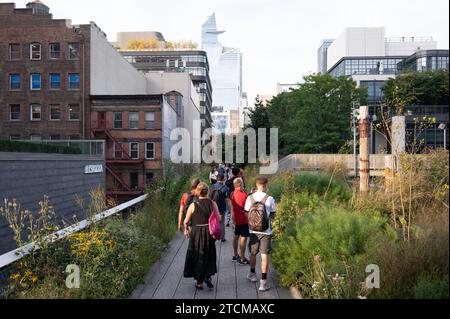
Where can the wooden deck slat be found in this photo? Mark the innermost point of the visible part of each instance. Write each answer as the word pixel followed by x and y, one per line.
pixel 167 287
pixel 158 270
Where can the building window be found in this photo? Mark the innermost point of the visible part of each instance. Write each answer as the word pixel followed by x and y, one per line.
pixel 134 120
pixel 149 177
pixel 14 112
pixel 54 51
pixel 117 151
pixel 14 51
pixel 74 51
pixel 14 137
pixel 35 112
pixel 74 81
pixel 35 137
pixel 118 120
pixel 74 137
pixel 35 51
pixel 55 137
pixel 14 82
pixel 55 112
pixel 150 151
pixel 134 180
pixel 35 81
pixel 54 81
pixel 74 112
pixel 149 120
pixel 134 150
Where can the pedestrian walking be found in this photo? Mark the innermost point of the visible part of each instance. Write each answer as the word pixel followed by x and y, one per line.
pixel 241 231
pixel 220 195
pixel 200 262
pixel 185 201
pixel 229 183
pixel 261 210
pixel 213 176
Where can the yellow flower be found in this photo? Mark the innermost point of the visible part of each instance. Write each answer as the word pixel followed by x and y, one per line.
pixel 34 278
pixel 14 276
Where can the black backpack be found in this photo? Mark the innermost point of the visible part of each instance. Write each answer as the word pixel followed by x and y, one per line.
pixel 218 196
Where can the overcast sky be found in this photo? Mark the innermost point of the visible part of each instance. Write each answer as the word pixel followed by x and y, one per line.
pixel 279 38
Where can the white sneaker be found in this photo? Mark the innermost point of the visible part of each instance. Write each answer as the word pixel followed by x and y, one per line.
pixel 252 277
pixel 263 286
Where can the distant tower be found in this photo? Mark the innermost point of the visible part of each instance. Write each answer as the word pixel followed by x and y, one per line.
pixel 210 34
pixel 38 7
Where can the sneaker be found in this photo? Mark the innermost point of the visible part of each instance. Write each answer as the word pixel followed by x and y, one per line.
pixel 252 277
pixel 236 258
pixel 263 285
pixel 243 261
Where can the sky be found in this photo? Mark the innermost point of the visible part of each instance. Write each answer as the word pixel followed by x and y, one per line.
pixel 278 38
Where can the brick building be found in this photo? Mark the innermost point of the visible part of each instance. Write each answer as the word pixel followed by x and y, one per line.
pixel 44 75
pixel 60 81
pixel 132 127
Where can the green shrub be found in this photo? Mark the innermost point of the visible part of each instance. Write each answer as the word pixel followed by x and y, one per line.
pixel 338 236
pixel 28 147
pixel 428 288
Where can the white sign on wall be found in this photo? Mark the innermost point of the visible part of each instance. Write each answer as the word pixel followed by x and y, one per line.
pixel 93 169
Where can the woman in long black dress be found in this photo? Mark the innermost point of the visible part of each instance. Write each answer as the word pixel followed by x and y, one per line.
pixel 201 254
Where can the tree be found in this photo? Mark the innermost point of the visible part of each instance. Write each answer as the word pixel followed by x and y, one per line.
pixel 315 118
pixel 417 88
pixel 143 44
pixel 259 116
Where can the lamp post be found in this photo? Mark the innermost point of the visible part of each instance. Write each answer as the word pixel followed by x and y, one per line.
pixel 355 118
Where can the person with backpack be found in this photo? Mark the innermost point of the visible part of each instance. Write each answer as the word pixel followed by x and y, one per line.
pixel 186 200
pixel 230 184
pixel 241 231
pixel 260 209
pixel 220 195
pixel 201 255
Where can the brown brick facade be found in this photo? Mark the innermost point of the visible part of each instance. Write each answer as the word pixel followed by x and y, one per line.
pixel 20 26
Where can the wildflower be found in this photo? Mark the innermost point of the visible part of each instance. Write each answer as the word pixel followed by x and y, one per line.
pixel 34 278
pixel 14 276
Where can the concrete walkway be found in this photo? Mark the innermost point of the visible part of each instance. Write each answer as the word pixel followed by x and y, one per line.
pixel 165 280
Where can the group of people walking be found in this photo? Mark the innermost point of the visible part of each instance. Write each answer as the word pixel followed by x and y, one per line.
pixel 250 214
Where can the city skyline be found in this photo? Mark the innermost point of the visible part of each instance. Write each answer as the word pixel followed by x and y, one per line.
pixel 263 30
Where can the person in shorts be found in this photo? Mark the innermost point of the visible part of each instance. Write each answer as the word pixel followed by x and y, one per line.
pixel 241 231
pixel 261 242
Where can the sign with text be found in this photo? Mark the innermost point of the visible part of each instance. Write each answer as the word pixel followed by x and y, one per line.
pixel 93 169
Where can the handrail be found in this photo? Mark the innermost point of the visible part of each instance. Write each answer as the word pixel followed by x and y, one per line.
pixel 14 255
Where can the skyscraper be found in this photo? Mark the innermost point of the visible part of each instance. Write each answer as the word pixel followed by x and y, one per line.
pixel 225 67
pixel 322 66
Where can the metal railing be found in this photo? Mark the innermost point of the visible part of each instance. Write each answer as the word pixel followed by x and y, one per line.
pixel 14 255
pixel 316 162
pixel 87 147
pixel 408 39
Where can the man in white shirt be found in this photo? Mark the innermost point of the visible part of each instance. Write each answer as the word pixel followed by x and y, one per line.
pixel 260 241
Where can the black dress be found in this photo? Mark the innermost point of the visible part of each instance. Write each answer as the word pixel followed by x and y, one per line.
pixel 201 254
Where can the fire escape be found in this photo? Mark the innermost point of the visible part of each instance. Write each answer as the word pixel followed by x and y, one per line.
pixel 119 159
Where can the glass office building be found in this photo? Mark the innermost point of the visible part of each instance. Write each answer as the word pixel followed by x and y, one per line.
pixel 425 60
